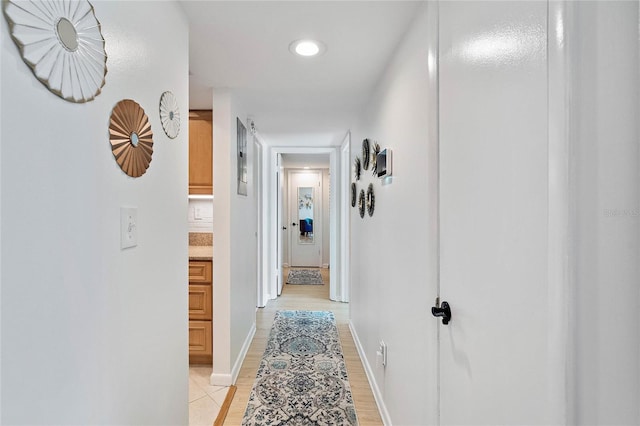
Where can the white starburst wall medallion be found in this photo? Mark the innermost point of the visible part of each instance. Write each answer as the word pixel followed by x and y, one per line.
pixel 169 114
pixel 62 43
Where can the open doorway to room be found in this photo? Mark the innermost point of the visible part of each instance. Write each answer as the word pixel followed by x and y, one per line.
pixel 306 242
pixel 324 232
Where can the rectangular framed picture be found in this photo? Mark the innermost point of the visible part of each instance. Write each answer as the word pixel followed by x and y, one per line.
pixel 242 157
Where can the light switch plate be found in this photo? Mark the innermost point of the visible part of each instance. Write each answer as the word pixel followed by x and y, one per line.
pixel 128 227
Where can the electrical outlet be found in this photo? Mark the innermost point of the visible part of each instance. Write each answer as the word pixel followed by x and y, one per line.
pixel 128 227
pixel 382 353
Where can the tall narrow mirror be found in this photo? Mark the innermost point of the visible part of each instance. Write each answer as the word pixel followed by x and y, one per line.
pixel 305 214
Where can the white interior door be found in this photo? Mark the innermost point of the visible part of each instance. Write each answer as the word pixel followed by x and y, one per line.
pixel 280 224
pixel 305 218
pixel 493 212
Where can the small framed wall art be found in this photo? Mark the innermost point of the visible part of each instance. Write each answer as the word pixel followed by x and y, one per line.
pixel 242 157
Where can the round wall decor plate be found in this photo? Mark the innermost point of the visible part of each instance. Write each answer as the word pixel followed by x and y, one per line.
pixel 131 137
pixel 375 150
pixel 62 43
pixel 354 194
pixel 361 203
pixel 169 114
pixel 365 154
pixel 371 200
pixel 357 168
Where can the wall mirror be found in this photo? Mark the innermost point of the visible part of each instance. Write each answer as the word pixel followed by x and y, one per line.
pixel 305 214
pixel 67 34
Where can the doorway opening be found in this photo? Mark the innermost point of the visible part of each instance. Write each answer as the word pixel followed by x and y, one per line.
pixel 322 230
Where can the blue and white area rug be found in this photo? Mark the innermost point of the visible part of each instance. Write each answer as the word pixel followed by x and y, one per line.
pixel 304 277
pixel 302 378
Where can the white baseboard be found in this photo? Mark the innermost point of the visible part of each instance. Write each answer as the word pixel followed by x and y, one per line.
pixel 325 265
pixel 285 265
pixel 220 379
pixel 377 394
pixel 243 353
pixel 230 379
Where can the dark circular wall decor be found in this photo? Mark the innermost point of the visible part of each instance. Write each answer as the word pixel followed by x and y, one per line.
pixel 357 168
pixel 371 200
pixel 354 194
pixel 365 154
pixel 361 206
pixel 131 137
pixel 375 150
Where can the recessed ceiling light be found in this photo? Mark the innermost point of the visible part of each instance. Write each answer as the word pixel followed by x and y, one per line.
pixel 307 47
pixel 306 167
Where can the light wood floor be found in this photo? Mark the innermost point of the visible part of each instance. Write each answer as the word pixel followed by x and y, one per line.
pixel 313 298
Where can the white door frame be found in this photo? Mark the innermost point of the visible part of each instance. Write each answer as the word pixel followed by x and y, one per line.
pixel 258 149
pixel 337 258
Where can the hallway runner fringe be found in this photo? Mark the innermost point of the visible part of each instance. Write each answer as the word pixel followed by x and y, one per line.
pixel 302 377
pixel 304 277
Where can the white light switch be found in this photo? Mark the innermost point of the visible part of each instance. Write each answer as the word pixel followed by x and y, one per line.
pixel 128 227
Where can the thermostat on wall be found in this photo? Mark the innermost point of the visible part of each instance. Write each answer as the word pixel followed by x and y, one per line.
pixel 383 163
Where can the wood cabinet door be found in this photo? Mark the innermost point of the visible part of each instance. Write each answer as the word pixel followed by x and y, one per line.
pixel 200 152
pixel 200 302
pixel 199 271
pixel 200 341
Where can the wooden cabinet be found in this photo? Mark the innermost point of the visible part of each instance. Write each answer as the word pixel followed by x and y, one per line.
pixel 200 342
pixel 200 271
pixel 200 301
pixel 200 152
pixel 200 312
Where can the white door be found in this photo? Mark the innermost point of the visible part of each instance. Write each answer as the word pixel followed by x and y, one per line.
pixel 305 218
pixel 281 221
pixel 493 212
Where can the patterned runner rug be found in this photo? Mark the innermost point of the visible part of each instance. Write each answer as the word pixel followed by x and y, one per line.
pixel 304 277
pixel 302 378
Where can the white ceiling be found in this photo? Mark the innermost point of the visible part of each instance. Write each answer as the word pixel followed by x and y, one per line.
pixel 244 46
pixel 298 161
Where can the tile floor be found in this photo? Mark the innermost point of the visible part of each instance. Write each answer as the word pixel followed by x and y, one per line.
pixel 204 400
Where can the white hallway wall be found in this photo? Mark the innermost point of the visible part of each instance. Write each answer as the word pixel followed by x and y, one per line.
pixel 392 287
pixel 393 282
pixel 92 334
pixel 606 216
pixel 234 243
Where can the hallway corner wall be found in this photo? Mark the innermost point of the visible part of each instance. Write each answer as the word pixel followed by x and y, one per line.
pixel 234 243
pixel 394 252
pixel 605 144
pixel 92 333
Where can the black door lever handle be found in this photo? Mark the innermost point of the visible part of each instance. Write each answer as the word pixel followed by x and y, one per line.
pixel 444 311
